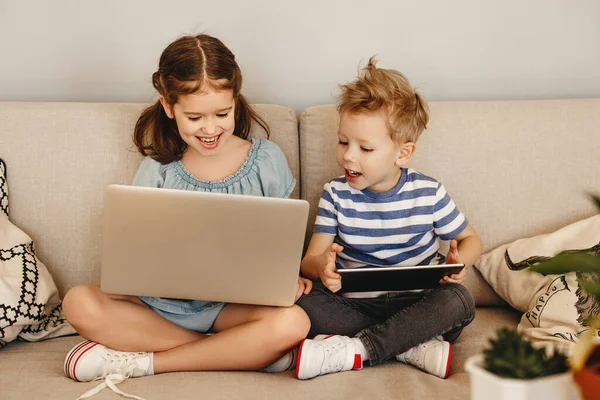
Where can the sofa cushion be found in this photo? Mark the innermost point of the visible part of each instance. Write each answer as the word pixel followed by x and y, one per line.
pixel 42 363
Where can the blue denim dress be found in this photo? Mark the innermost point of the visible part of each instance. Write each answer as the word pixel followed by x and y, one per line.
pixel 264 173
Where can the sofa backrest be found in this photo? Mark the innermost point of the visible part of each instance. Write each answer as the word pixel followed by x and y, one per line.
pixel 61 156
pixel 514 168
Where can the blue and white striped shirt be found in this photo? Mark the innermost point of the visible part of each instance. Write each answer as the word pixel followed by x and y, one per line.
pixel 399 227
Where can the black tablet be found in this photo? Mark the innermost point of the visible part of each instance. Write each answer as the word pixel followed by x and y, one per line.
pixel 395 278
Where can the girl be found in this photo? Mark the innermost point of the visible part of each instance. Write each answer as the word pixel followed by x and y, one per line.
pixel 194 138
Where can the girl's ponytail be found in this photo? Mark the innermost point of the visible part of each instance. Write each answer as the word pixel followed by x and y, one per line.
pixel 156 135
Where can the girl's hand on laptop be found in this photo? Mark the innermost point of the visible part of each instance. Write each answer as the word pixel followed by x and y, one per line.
pixel 454 258
pixel 330 278
pixel 304 287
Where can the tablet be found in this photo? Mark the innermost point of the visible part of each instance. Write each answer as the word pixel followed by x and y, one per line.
pixel 395 278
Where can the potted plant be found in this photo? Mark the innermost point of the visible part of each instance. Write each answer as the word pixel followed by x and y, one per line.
pixel 511 368
pixel 585 360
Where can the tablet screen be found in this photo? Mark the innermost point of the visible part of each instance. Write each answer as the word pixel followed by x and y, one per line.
pixel 396 278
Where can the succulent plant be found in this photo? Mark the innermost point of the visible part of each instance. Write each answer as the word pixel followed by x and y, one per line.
pixel 510 355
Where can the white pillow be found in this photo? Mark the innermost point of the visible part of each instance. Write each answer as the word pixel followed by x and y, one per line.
pixel 555 307
pixel 29 304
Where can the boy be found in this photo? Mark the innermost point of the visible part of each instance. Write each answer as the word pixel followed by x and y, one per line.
pixel 381 214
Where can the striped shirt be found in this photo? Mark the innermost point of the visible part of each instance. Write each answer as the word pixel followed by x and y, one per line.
pixel 399 227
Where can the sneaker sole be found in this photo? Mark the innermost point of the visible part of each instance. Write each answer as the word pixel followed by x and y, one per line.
pixel 73 357
pixel 448 362
pixel 299 360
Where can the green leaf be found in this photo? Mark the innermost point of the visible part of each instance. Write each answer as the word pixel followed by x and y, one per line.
pixel 592 288
pixel 564 263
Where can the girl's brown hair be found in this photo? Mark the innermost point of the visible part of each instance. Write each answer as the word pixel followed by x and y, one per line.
pixel 186 66
pixel 378 89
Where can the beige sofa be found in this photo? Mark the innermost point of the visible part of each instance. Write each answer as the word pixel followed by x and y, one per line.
pixel 515 169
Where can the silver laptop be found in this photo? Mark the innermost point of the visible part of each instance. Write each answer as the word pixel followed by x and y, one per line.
pixel 203 246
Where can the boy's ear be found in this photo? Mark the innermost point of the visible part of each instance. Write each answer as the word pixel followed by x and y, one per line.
pixel 166 107
pixel 405 152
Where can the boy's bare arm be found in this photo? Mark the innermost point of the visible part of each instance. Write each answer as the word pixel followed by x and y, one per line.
pixel 469 246
pixel 313 260
pixel 319 262
pixel 465 249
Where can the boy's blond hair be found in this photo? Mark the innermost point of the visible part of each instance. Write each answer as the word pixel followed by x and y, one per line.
pixel 378 89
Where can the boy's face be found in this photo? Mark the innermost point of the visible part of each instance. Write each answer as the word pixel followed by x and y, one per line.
pixel 204 120
pixel 370 158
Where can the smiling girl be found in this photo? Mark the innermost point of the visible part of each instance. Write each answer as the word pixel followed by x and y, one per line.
pixel 194 138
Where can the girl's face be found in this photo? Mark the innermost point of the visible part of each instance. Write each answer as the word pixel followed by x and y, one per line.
pixel 205 120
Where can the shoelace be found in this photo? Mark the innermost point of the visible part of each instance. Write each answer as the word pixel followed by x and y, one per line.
pixel 110 381
pixel 119 367
pixel 333 362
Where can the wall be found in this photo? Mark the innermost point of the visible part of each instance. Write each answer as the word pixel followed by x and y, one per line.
pixel 296 52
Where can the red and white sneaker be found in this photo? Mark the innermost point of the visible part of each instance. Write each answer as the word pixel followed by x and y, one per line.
pixel 89 361
pixel 432 357
pixel 322 356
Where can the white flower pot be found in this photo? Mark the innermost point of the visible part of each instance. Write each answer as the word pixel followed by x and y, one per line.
pixel 487 386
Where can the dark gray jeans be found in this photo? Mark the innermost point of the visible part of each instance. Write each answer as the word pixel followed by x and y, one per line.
pixel 393 323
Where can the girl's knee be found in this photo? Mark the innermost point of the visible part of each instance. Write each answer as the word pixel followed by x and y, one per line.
pixel 291 325
pixel 82 305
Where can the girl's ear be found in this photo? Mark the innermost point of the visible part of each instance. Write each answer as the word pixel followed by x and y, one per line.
pixel 405 152
pixel 166 107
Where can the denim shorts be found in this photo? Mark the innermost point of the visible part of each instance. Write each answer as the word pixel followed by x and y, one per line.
pixel 194 315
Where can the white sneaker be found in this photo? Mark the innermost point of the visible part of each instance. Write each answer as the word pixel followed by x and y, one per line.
pixel 321 337
pixel 325 356
pixel 432 357
pixel 89 361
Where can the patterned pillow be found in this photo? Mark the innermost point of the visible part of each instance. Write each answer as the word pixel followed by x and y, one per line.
pixel 30 308
pixel 555 307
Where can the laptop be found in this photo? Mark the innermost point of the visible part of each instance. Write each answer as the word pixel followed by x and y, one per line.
pixel 395 278
pixel 203 246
